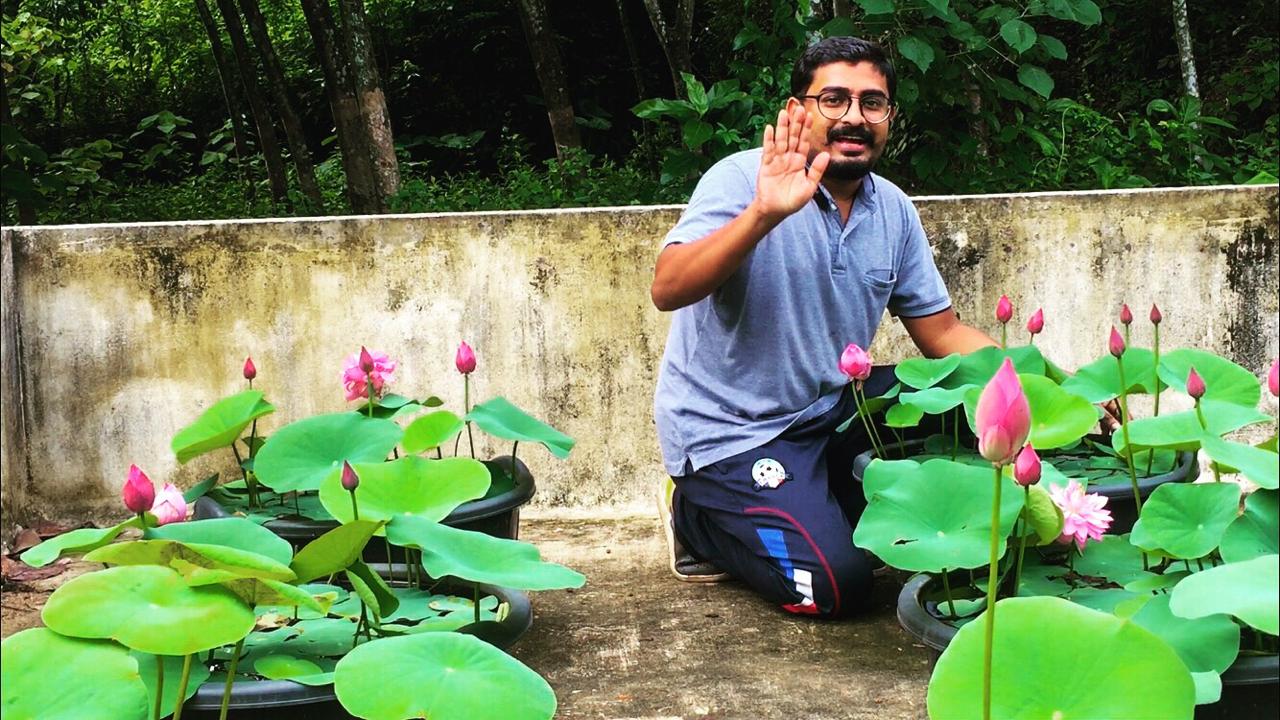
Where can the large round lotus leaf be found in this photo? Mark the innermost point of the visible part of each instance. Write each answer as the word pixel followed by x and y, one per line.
pixel 1223 379
pixel 301 454
pixel 147 608
pixel 199 563
pixel 431 431
pixel 220 425
pixel 1099 381
pixel 1183 431
pixel 232 532
pixel 903 415
pixel 921 373
pixel 977 368
pixel 442 676
pixel 306 671
pixel 1256 532
pixel 1185 520
pixel 1058 418
pixel 172 678
pixel 1205 644
pixel 1054 659
pixel 1246 590
pixel 46 675
pixel 1114 558
pixel 411 485
pixel 334 550
pixel 77 541
pixel 1258 465
pixel 936 400
pixel 933 516
pixel 479 557
pixel 501 419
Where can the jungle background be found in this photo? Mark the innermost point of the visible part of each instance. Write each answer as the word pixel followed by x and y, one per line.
pixel 137 110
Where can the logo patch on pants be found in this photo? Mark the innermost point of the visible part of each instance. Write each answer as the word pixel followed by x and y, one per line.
pixel 768 473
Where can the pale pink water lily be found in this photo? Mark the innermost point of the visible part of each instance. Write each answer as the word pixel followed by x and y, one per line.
pixel 1195 384
pixel 855 362
pixel 250 371
pixel 1026 469
pixel 1116 344
pixel 1273 379
pixel 465 359
pixel 1004 309
pixel 1036 322
pixel 138 493
pixel 1003 416
pixel 1085 516
pixel 1126 315
pixel 170 506
pixel 350 481
pixel 354 377
pixel 1156 317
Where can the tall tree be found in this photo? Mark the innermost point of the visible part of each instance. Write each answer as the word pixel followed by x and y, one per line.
pixel 1186 58
pixel 632 54
pixel 258 105
pixel 293 131
pixel 226 80
pixel 358 47
pixel 674 35
pixel 551 77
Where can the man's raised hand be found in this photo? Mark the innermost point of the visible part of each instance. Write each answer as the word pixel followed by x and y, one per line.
pixel 784 184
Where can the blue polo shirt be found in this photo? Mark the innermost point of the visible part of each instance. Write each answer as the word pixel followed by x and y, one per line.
pixel 762 351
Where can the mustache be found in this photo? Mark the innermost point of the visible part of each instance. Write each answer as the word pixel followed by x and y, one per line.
pixel 848 132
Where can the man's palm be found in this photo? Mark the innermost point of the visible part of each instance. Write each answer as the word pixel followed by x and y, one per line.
pixel 785 184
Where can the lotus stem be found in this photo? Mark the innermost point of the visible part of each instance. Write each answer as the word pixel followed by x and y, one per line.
pixel 1217 474
pixel 872 436
pixel 391 568
pixel 1128 449
pixel 902 450
pixel 159 685
pixel 249 483
pixel 946 588
pixel 955 434
pixel 1031 339
pixel 992 583
pixel 182 687
pixel 231 676
pixel 355 510
pixel 1022 542
pixel 1156 367
pixel 368 381
pixel 1004 335
pixel 466 403
pixel 1126 334
pixel 514 445
pixel 476 592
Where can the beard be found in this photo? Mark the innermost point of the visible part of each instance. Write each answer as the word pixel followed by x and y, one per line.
pixel 852 168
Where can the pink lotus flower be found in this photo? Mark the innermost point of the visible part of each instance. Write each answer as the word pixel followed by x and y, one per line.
pixel 170 506
pixel 1003 416
pixel 354 377
pixel 1195 384
pixel 1126 315
pixel 1026 469
pixel 1273 379
pixel 1083 515
pixel 1116 344
pixel 250 372
pixel 1156 317
pixel 465 359
pixel 1036 323
pixel 1004 309
pixel 138 493
pixel 350 481
pixel 855 362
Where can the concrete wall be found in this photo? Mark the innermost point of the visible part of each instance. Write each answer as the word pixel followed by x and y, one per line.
pixel 116 336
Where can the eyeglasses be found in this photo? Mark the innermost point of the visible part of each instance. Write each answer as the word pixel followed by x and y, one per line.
pixel 834 105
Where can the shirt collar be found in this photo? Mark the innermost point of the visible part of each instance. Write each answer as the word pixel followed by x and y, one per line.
pixel 866 193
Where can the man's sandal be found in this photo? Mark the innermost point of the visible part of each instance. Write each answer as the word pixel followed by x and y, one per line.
pixel 683 564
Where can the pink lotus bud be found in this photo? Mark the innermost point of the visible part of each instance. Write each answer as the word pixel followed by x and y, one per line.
pixel 1195 384
pixel 1026 469
pixel 1004 309
pixel 1156 317
pixel 1126 315
pixel 366 360
pixel 250 372
pixel 1116 344
pixel 138 492
pixel 465 360
pixel 350 481
pixel 855 362
pixel 170 506
pixel 1036 323
pixel 1003 417
pixel 1273 379
pixel 356 379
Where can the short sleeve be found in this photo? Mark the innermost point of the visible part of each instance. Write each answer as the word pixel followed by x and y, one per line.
pixel 919 290
pixel 721 195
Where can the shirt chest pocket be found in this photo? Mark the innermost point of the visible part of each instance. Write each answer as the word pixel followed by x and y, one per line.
pixel 880 284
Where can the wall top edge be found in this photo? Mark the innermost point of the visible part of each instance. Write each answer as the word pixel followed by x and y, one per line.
pixel 633 209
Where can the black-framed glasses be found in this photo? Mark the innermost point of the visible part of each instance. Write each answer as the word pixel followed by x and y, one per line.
pixel 835 104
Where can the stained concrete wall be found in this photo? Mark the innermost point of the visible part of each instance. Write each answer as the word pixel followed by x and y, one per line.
pixel 116 336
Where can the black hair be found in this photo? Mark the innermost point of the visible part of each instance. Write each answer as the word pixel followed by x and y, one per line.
pixel 841 49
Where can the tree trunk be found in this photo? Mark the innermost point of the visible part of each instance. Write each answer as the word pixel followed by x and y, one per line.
pixel 225 79
pixel 358 47
pixel 632 54
pixel 280 92
pixel 357 161
pixel 546 62
pixel 1186 58
pixel 267 141
pixel 674 37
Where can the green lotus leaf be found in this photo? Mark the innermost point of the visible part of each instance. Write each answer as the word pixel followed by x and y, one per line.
pixel 443 676
pixel 1150 582
pixel 1258 465
pixel 1106 600
pixel 372 589
pixel 936 401
pixel 255 592
pixel 333 551
pixel 480 558
pixel 1114 558
pixel 417 605
pixel 501 419
pixel 1099 381
pixel 1205 644
pixel 199 563
pixel 977 368
pixel 301 454
pixel 200 489
pixel 300 670
pixel 1182 431
pixel 1208 687
pixel 1042 515
pixel 921 373
pixel 220 425
pixel 326 596
pixel 410 485
pixel 1224 380
pixel 1118 669
pixel 1256 532
pixel 1246 590
pixel 147 608
pixel 232 532
pixel 172 677
pixel 903 415
pixel 431 431
pixel 47 675
pixel 1186 520
pixel 1058 418
pixel 933 516
pixel 77 541
pixel 325 637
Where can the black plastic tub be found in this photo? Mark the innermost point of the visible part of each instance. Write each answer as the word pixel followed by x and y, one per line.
pixel 1250 687
pixel 287 700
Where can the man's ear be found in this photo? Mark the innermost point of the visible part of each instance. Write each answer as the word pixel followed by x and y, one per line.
pixel 792 102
